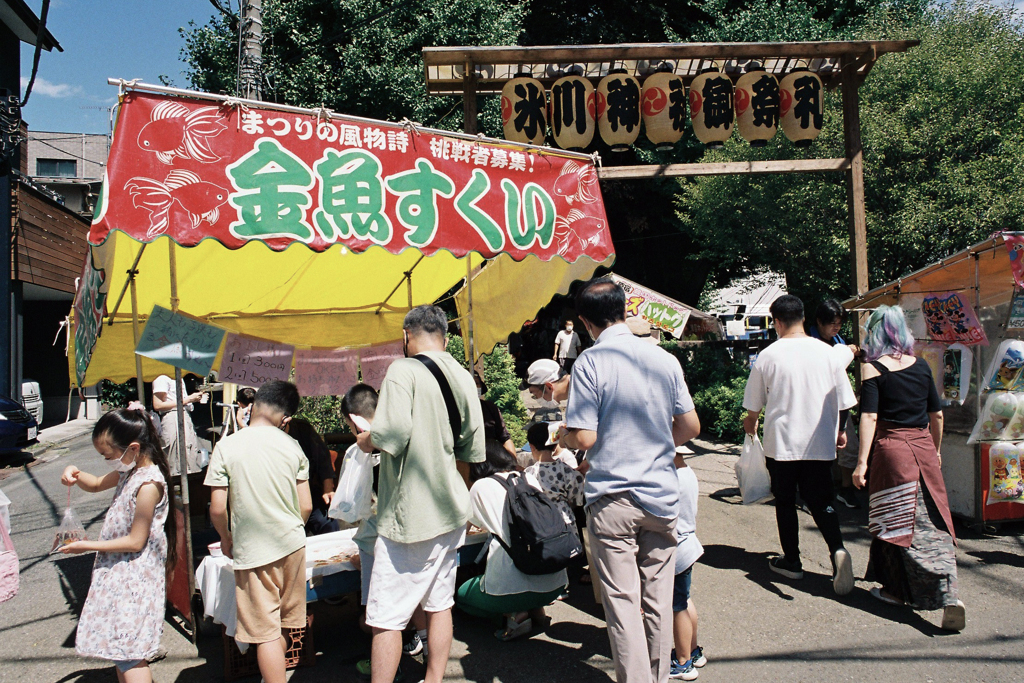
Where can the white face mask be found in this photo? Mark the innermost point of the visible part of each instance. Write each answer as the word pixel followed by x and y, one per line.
pixel 118 466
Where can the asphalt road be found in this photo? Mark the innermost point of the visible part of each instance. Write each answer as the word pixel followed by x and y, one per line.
pixel 754 625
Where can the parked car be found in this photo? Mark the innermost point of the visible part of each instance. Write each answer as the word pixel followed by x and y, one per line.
pixel 33 400
pixel 17 426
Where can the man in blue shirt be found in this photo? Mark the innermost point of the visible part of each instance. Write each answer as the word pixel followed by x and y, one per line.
pixel 629 408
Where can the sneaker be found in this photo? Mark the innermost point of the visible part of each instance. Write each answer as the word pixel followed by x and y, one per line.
pixel 698 658
pixel 848 497
pixel 954 617
pixel 791 570
pixel 683 672
pixel 415 646
pixel 842 568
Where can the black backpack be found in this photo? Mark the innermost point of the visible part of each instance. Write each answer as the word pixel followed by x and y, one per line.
pixel 542 541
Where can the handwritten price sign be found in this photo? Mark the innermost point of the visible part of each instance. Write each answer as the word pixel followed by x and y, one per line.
pixel 180 340
pixel 326 372
pixel 254 362
pixel 376 360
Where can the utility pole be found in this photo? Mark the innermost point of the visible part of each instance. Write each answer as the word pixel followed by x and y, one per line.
pixel 250 50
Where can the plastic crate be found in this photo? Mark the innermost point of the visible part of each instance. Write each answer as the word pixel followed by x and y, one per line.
pixel 300 652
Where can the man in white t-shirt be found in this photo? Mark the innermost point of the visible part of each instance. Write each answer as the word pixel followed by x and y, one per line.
pixel 567 347
pixel 801 384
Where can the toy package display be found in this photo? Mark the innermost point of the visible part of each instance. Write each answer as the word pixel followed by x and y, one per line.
pixel 995 417
pixel 1005 481
pixel 950 318
pixel 1004 372
pixel 912 313
pixel 957 362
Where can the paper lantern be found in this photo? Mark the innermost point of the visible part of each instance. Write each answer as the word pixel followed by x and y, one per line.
pixel 801 106
pixel 664 109
pixel 524 110
pixel 711 107
pixel 618 110
pixel 573 112
pixel 757 107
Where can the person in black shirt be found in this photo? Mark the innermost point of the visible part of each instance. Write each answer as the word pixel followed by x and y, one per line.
pixel 494 424
pixel 321 474
pixel 912 552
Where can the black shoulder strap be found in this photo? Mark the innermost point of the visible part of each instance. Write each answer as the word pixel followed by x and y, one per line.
pixel 446 390
pixel 878 365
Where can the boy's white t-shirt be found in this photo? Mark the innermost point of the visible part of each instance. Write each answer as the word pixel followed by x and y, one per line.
pixel 164 384
pixel 688 548
pixel 802 385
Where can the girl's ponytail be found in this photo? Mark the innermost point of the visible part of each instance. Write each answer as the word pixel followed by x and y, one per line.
pixel 125 426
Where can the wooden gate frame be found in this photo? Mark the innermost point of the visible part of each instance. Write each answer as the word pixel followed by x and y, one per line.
pixel 472 71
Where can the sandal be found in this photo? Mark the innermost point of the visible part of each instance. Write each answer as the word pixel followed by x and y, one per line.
pixel 585 579
pixel 514 629
pixel 876 593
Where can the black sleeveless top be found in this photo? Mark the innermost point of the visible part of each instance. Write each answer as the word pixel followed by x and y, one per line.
pixel 902 397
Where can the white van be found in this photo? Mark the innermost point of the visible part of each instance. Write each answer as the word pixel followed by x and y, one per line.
pixel 31 399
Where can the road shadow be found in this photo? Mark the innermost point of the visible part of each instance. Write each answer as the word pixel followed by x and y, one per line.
pixel 755 567
pixel 730 496
pixel 16 459
pixel 998 557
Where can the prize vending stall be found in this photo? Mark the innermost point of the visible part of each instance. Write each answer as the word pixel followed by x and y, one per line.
pixel 967 316
pixel 263 241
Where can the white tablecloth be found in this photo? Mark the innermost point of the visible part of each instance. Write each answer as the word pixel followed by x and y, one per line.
pixel 325 555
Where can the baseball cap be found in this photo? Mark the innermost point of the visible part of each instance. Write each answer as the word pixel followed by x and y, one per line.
pixel 542 371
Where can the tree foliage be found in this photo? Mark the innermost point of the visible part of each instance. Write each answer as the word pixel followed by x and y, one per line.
pixel 943 151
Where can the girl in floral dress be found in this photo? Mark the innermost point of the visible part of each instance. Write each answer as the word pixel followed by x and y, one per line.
pixel 123 616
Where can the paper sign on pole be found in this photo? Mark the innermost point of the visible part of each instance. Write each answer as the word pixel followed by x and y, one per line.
pixel 180 341
pixel 253 362
pixel 326 372
pixel 376 360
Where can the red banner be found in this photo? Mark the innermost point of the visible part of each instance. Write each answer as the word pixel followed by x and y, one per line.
pixel 194 169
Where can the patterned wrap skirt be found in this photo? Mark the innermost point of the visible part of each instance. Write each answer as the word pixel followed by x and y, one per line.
pixel 913 550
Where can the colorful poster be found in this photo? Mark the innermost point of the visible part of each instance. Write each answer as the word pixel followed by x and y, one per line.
pixel 1016 320
pixel 375 361
pixel 1015 245
pixel 180 340
pixel 326 372
pixel 956 373
pixel 253 362
pixel 193 169
pixel 660 311
pixel 951 318
pixel 1004 372
pixel 1005 482
pixel 90 307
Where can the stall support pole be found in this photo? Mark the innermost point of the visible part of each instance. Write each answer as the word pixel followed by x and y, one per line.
pixel 469 312
pixel 469 103
pixel 980 373
pixel 135 333
pixel 182 460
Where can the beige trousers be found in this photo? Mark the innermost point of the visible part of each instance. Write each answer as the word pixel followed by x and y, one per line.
pixel 635 556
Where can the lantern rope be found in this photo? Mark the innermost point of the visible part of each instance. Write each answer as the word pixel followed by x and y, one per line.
pixel 323 112
pixel 410 126
pixel 235 103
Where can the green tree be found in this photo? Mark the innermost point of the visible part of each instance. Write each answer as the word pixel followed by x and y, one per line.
pixel 943 149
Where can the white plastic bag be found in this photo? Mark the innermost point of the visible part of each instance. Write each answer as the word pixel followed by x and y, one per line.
pixel 994 422
pixel 752 473
pixel 352 499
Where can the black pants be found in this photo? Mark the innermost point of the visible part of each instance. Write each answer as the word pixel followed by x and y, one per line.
pixel 813 478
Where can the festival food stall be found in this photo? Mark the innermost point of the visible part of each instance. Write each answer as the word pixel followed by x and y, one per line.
pixel 254 238
pixel 967 316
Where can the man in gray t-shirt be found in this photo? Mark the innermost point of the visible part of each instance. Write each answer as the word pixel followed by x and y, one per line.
pixel 629 407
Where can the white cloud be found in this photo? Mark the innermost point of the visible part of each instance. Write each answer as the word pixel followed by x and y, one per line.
pixel 45 87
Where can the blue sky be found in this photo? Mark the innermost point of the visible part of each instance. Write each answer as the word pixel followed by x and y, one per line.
pixel 101 38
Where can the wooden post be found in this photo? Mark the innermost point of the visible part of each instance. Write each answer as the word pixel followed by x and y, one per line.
pixel 471 347
pixel 469 98
pixel 182 459
pixel 855 186
pixel 135 333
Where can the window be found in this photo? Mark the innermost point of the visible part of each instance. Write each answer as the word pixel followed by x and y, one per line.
pixel 56 168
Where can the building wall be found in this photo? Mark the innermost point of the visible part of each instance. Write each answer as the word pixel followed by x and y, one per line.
pixel 88 151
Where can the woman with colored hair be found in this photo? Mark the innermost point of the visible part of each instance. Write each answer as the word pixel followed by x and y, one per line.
pixel 912 550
